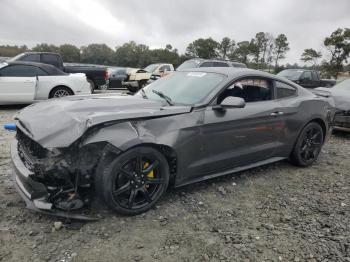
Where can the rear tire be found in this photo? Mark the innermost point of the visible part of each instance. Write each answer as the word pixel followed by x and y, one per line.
pixel 92 85
pixel 308 145
pixel 132 89
pixel 134 181
pixel 60 91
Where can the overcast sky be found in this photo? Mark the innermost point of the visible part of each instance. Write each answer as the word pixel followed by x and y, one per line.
pixel 178 22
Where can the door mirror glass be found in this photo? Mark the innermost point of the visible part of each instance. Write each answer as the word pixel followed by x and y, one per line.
pixel 233 102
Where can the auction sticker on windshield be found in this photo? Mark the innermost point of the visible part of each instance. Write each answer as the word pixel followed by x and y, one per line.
pixel 196 74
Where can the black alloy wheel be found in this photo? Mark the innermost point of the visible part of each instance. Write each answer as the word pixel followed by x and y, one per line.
pixel 135 180
pixel 308 145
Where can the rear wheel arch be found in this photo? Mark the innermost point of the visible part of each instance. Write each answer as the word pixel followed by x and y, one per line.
pixel 322 124
pixel 58 87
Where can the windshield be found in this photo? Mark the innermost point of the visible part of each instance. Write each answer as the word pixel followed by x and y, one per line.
pixel 183 87
pixel 344 85
pixel 151 68
pixel 291 74
pixel 15 58
pixel 188 64
pixel 3 64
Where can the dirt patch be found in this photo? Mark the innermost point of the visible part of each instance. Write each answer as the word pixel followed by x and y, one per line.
pixel 273 213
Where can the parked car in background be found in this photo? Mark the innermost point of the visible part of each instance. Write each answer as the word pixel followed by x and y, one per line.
pixel 138 78
pixel 341 94
pixel 26 82
pixel 306 78
pixel 187 127
pixel 96 75
pixel 116 76
pixel 199 62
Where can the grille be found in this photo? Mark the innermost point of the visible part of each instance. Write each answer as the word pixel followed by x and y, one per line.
pixel 29 151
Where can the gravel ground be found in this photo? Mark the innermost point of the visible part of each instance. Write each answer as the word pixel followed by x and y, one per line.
pixel 273 213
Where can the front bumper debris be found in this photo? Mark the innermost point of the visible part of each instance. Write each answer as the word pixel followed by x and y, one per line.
pixel 34 193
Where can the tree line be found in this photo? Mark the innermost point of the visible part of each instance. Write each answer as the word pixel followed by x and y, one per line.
pixel 264 51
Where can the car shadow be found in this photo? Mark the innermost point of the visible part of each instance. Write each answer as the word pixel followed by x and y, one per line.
pixel 341 134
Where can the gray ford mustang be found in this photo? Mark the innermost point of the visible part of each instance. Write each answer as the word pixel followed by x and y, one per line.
pixel 183 128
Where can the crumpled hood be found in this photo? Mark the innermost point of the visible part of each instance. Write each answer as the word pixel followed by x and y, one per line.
pixel 341 97
pixel 60 122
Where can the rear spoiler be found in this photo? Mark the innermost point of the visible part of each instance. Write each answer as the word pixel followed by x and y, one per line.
pixel 321 93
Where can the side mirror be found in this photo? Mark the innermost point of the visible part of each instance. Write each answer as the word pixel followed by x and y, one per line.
pixel 231 102
pixel 161 71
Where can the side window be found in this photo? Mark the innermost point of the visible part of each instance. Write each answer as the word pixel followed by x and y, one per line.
pixel 250 89
pixel 206 64
pixel 50 59
pixel 283 90
pixel 40 72
pixel 18 71
pixel 165 68
pixel 220 64
pixel 307 75
pixel 314 75
pixel 31 58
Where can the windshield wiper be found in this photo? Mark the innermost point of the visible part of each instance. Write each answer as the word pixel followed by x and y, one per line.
pixel 143 93
pixel 165 97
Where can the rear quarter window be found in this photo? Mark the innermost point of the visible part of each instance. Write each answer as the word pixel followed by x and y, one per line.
pixel 284 90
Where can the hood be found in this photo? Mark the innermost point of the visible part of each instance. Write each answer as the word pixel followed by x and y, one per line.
pixel 60 122
pixel 341 97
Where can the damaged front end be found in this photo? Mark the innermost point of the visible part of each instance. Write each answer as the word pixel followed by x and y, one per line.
pixel 57 181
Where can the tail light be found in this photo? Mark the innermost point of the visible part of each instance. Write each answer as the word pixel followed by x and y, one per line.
pixel 106 75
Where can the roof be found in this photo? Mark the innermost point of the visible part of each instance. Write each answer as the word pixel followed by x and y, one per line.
pixel 234 72
pixel 50 69
pixel 215 60
pixel 34 52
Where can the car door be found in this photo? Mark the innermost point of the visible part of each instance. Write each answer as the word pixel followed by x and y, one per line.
pixel 239 136
pixel 17 84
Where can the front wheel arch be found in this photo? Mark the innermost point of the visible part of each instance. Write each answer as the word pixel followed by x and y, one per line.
pixel 105 174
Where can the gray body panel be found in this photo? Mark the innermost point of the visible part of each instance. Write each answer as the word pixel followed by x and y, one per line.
pixel 207 142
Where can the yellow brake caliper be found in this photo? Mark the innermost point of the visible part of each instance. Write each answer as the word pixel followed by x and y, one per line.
pixel 150 174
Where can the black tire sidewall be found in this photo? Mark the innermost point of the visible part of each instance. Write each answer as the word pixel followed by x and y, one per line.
pixel 296 154
pixel 106 186
pixel 92 85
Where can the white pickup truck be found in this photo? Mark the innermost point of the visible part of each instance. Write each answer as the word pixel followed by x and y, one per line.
pixel 137 78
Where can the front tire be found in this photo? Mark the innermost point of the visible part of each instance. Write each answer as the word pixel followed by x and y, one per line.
pixel 308 145
pixel 134 181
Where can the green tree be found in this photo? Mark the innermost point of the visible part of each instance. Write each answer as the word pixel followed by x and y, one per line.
pixel 242 52
pixel 203 48
pixel 10 51
pixel 281 47
pixel 338 44
pixel 132 55
pixel 45 48
pixel 310 55
pixel 258 46
pixel 97 54
pixel 69 53
pixel 226 47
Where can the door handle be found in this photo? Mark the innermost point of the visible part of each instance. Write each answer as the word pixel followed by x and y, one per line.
pixel 278 113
